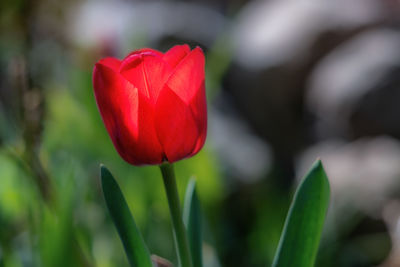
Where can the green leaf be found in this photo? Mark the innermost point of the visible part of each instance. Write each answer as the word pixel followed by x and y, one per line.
pixel 301 234
pixel 135 248
pixel 192 220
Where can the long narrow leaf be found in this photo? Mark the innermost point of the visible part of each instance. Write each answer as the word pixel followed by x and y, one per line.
pixel 192 220
pixel 301 234
pixel 135 248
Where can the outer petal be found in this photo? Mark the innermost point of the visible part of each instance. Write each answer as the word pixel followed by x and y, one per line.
pixel 145 50
pixel 198 105
pixel 147 71
pixel 176 54
pixel 175 125
pixel 111 62
pixel 188 76
pixel 127 116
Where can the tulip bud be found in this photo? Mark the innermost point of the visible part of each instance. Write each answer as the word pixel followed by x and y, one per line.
pixel 153 104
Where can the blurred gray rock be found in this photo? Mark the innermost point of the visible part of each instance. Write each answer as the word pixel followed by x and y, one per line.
pixel 277 46
pixel 271 33
pixel 130 25
pixel 363 174
pixel 355 90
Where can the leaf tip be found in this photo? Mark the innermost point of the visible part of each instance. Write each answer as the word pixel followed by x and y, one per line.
pixel 105 177
pixel 318 167
pixel 192 183
pixel 318 162
pixel 102 167
pixel 104 171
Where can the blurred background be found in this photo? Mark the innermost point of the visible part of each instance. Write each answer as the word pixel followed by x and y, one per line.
pixel 287 81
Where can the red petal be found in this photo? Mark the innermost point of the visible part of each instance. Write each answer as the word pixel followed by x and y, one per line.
pixel 127 116
pixel 175 125
pixel 147 71
pixel 198 106
pixel 188 76
pixel 111 62
pixel 145 50
pixel 176 54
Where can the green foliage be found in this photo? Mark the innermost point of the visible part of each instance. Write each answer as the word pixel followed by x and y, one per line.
pixel 192 219
pixel 300 238
pixel 135 248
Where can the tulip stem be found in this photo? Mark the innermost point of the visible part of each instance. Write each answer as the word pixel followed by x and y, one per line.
pixel 181 239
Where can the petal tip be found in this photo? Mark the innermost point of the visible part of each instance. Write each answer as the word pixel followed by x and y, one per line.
pixel 198 48
pixel 110 62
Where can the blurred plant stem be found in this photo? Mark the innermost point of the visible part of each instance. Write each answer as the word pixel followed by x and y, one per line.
pixel 32 114
pixel 31 108
pixel 181 239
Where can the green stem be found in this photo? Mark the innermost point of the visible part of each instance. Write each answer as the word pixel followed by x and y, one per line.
pixel 181 240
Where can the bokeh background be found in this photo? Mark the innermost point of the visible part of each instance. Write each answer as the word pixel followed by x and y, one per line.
pixel 287 81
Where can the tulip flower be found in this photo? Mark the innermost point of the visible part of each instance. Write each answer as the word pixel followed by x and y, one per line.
pixel 153 104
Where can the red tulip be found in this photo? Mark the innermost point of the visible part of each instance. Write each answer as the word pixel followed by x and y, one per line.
pixel 153 104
